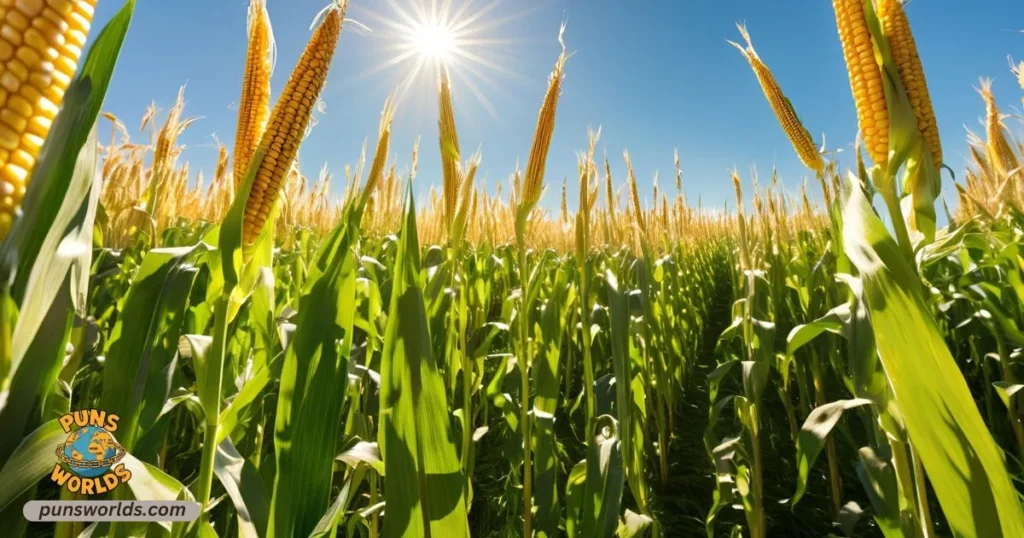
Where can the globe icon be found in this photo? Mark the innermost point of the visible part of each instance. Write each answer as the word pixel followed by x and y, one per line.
pixel 90 451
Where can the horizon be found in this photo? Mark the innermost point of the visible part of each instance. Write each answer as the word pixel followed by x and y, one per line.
pixel 687 100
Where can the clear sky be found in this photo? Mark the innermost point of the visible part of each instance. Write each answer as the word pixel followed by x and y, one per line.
pixel 653 74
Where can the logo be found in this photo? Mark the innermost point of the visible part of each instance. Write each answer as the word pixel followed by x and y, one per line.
pixel 89 459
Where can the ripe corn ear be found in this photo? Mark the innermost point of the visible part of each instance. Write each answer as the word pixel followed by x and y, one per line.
pixel 289 119
pixel 254 105
pixel 784 112
pixel 896 28
pixel 533 181
pixel 40 44
pixel 450 155
pixel 865 77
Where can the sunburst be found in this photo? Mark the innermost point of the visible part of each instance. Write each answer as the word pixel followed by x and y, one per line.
pixel 422 37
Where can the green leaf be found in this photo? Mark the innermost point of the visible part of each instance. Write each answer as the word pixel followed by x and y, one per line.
pixel 633 525
pixel 311 395
pixel 252 389
pixel 32 460
pixel 144 340
pixel 415 433
pixel 962 461
pixel 66 246
pixel 879 480
pixel 545 375
pixel 358 452
pixel 832 322
pixel 604 491
pixel 812 437
pixel 244 486
pixel 575 487
pixel 33 383
pixel 1006 391
pixel 332 518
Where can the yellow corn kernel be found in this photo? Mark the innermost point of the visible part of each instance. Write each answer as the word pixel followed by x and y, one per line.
pixel 33 41
pixel 533 181
pixel 285 130
pixel 449 140
pixel 784 112
pixel 254 106
pixel 896 28
pixel 865 77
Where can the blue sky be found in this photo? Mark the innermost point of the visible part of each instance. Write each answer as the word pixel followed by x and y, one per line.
pixel 654 75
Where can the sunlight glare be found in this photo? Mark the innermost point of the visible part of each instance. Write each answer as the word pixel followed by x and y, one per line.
pixel 433 41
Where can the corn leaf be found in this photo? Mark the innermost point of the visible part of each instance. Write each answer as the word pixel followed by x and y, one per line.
pixel 604 492
pixel 415 433
pixel 144 340
pixel 244 486
pixel 812 437
pixel 311 397
pixel 545 403
pixel 962 461
pixel 30 461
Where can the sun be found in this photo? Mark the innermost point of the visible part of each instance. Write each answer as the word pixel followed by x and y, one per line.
pixel 462 38
pixel 433 41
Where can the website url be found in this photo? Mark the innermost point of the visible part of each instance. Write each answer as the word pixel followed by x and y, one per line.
pixel 111 510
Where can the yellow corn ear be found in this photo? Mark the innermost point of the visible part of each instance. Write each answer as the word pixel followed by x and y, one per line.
pixel 254 105
pixel 533 181
pixel 289 119
pixel 450 155
pixel 865 77
pixel 40 44
pixel 784 112
pixel 896 28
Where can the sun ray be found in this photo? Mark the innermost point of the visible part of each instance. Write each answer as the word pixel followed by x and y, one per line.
pixel 421 37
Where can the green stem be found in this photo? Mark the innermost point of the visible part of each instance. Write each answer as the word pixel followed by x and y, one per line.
pixel 588 360
pixel 214 377
pixel 467 379
pixel 830 447
pixel 759 530
pixel 1008 376
pixel 524 369
pixel 905 482
pixel 899 225
pixel 374 499
pixel 6 327
pixel 921 492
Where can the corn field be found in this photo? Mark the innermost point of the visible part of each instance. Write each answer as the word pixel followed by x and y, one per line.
pixel 300 359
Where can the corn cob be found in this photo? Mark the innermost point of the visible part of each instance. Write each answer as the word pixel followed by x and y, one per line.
pixel 784 112
pixel 289 119
pixel 908 64
pixel 40 44
pixel 865 77
pixel 533 181
pixel 254 105
pixel 449 140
